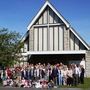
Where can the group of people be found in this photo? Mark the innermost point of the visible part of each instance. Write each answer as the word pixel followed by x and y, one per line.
pixel 43 76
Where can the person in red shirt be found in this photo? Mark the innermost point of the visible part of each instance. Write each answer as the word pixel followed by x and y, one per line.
pixel 9 73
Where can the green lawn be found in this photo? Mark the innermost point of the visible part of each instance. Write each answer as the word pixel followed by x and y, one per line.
pixel 83 86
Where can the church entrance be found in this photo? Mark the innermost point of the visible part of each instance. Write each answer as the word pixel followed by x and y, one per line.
pixel 56 58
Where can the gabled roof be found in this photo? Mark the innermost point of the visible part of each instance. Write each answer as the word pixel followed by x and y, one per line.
pixel 25 36
pixel 47 3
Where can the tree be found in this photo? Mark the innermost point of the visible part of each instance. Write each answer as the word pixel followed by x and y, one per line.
pixel 10 46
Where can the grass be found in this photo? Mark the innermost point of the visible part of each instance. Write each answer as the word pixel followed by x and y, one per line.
pixel 84 86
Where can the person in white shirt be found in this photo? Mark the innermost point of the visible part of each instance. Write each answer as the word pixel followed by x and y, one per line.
pixel 82 63
pixel 76 75
pixel 4 82
pixel 69 76
pixel 38 72
pixel 64 75
pixel 38 84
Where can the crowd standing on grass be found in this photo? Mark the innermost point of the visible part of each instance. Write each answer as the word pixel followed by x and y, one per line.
pixel 43 76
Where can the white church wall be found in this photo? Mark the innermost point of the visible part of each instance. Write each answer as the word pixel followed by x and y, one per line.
pixel 40 39
pixel 51 16
pixel 44 39
pixel 56 38
pixel 45 17
pixel 60 38
pixel 35 39
pixel 51 38
pixel 72 42
pixel 76 44
pixel 25 47
pixel 40 20
pixel 56 19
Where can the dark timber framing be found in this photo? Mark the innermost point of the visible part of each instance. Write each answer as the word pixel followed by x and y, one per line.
pixel 74 42
pixel 53 38
pixel 33 38
pixel 38 40
pixel 42 39
pixel 79 45
pixel 58 38
pixel 63 36
pixel 48 39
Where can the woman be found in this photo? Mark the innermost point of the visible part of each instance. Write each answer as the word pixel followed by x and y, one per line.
pixel 82 75
pixel 64 75
pixel 69 77
pixel 60 76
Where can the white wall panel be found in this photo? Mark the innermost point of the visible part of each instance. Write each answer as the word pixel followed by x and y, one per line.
pixel 45 39
pixel 31 39
pixel 40 39
pixel 40 20
pixel 72 41
pixel 56 38
pixel 76 44
pixel 50 16
pixel 25 47
pixel 61 43
pixel 56 19
pixel 45 17
pixel 51 38
pixel 35 39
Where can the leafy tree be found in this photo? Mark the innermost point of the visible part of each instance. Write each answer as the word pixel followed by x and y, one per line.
pixel 10 46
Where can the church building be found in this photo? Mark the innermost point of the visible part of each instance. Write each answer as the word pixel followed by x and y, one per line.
pixel 51 39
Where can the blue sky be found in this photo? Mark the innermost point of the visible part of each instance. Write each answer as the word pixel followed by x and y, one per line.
pixel 17 14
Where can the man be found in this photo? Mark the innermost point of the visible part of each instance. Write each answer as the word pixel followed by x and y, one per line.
pixel 23 73
pixel 82 75
pixel 76 75
pixel 32 72
pixel 55 74
pixel 38 72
